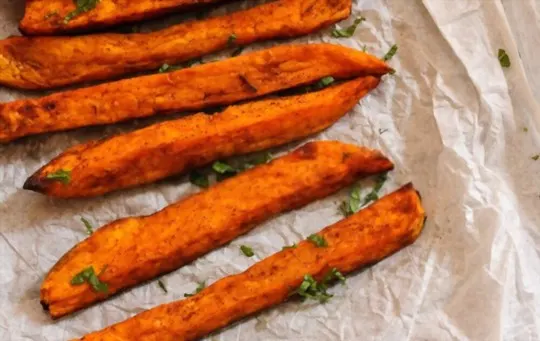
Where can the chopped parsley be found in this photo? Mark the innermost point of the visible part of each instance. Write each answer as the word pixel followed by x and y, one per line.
pixel 199 288
pixel 324 82
pixel 199 179
pixel 223 168
pixel 286 247
pixel 247 251
pixel 536 157
pixel 311 289
pixel 82 6
pixel 62 175
pixel 162 286
pixel 349 31
pixel 374 194
pixel 355 203
pixel 89 228
pixel 525 129
pixel 317 240
pixel 390 53
pixel 232 40
pixel 333 274
pixel 89 276
pixel 504 59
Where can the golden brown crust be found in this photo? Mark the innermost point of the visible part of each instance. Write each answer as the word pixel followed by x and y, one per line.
pixel 364 238
pixel 46 62
pixel 173 147
pixel 46 17
pixel 139 249
pixel 219 83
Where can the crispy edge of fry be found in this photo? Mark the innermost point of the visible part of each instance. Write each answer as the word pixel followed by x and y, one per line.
pixel 136 158
pixel 209 85
pixel 49 62
pixel 190 228
pixel 51 15
pixel 363 239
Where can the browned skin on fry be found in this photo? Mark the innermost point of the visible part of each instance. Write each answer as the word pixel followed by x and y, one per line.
pixel 139 249
pixel 173 147
pixel 364 238
pixel 45 62
pixel 46 17
pixel 219 83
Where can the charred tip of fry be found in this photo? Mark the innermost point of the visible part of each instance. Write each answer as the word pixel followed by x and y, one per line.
pixel 35 184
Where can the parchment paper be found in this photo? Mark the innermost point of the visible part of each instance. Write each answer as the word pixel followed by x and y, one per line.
pixel 458 125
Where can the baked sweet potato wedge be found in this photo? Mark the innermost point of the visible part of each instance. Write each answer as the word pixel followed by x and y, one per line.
pixel 219 83
pixel 138 249
pixel 364 238
pixel 174 147
pixel 46 62
pixel 46 17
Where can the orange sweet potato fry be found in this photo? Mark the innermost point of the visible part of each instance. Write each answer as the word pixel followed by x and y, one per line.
pixel 173 147
pixel 209 85
pixel 46 17
pixel 134 250
pixel 46 62
pixel 364 238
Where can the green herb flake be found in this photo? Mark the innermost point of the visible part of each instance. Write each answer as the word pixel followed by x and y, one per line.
pixel 199 288
pixel 349 31
pixel 89 228
pixel 374 194
pixel 247 251
pixel 62 175
pixel 504 59
pixel 199 179
pixel 223 168
pixel 82 6
pixel 355 203
pixel 393 50
pixel 286 247
pixel 231 42
pixel 162 286
pixel 332 275
pixel 536 157
pixel 311 289
pixel 525 129
pixel 324 82
pixel 317 240
pixel 89 276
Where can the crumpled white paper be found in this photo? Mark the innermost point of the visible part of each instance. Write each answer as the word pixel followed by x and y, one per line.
pixel 454 122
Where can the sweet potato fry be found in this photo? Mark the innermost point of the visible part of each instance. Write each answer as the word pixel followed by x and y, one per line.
pixel 137 249
pixel 219 83
pixel 46 17
pixel 364 238
pixel 173 147
pixel 45 62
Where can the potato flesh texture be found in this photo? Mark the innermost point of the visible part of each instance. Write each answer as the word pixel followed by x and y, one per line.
pixel 173 147
pixel 45 62
pixel 209 85
pixel 366 237
pixel 46 17
pixel 138 249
